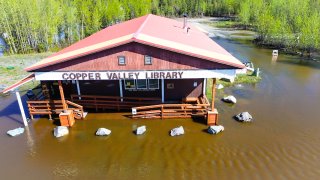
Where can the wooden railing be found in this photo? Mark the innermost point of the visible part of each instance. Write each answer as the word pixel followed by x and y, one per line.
pixel 49 107
pixel 112 102
pixel 172 110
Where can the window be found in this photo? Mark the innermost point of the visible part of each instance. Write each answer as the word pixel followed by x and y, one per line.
pixel 129 84
pixel 153 83
pixel 141 84
pixel 132 84
pixel 121 60
pixel 147 60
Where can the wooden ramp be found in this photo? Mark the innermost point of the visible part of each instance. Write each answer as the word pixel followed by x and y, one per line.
pixel 198 107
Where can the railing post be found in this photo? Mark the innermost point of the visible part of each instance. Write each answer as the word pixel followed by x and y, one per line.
pixel 95 103
pixel 162 112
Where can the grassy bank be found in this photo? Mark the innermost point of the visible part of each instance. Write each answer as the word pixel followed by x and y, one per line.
pixel 12 68
pixel 240 79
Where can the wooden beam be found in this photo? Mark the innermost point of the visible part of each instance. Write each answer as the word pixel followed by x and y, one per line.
pixel 214 80
pixel 64 105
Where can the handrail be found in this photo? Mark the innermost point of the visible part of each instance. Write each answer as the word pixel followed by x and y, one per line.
pixel 73 96
pixel 112 102
pixel 167 105
pixel 172 110
pixel 80 108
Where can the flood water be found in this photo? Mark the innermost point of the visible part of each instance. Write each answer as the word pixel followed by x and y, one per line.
pixel 283 142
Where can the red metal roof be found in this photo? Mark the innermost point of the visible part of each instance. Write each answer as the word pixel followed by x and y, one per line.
pixel 19 83
pixel 152 30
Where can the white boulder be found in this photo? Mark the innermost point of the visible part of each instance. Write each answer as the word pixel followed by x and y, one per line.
pixel 103 132
pixel 215 129
pixel 230 99
pixel 141 130
pixel 60 131
pixel 244 117
pixel 15 132
pixel 177 131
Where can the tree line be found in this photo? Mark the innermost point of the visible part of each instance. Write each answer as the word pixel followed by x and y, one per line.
pixel 293 24
pixel 49 25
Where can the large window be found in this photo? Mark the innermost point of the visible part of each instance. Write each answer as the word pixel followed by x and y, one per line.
pixel 141 84
pixel 153 83
pixel 150 84
pixel 122 60
pixel 129 84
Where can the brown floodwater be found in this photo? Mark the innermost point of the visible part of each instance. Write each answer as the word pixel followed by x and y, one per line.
pixel 283 142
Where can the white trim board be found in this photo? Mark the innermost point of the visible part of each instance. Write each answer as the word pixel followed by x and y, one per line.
pixel 116 75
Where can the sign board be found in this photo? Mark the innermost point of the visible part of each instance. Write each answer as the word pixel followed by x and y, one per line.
pixel 117 75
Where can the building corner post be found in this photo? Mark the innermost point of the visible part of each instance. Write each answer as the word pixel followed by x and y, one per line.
pixel 212 115
pixel 21 109
pixel 214 80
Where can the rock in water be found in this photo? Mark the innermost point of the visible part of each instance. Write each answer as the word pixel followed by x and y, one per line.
pixel 215 129
pixel 177 131
pixel 60 131
pixel 15 132
pixel 244 117
pixel 141 130
pixel 219 86
pixel 103 132
pixel 230 99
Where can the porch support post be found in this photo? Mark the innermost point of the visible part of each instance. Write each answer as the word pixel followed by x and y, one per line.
pixel 64 105
pixel 213 93
pixel 78 89
pixel 212 116
pixel 204 86
pixel 162 90
pixel 120 88
pixel 21 109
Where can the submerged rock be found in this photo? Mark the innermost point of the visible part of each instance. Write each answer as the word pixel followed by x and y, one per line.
pixel 230 99
pixel 15 132
pixel 141 130
pixel 103 132
pixel 215 129
pixel 219 86
pixel 177 131
pixel 244 117
pixel 60 131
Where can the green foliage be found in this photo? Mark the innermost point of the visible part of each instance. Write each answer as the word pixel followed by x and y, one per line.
pixel 44 25
pixel 294 24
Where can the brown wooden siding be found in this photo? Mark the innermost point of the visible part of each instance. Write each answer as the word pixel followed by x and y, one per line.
pixel 182 88
pixel 134 53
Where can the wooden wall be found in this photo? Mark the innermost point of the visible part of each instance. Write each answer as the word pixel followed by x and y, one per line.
pixel 182 88
pixel 134 53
